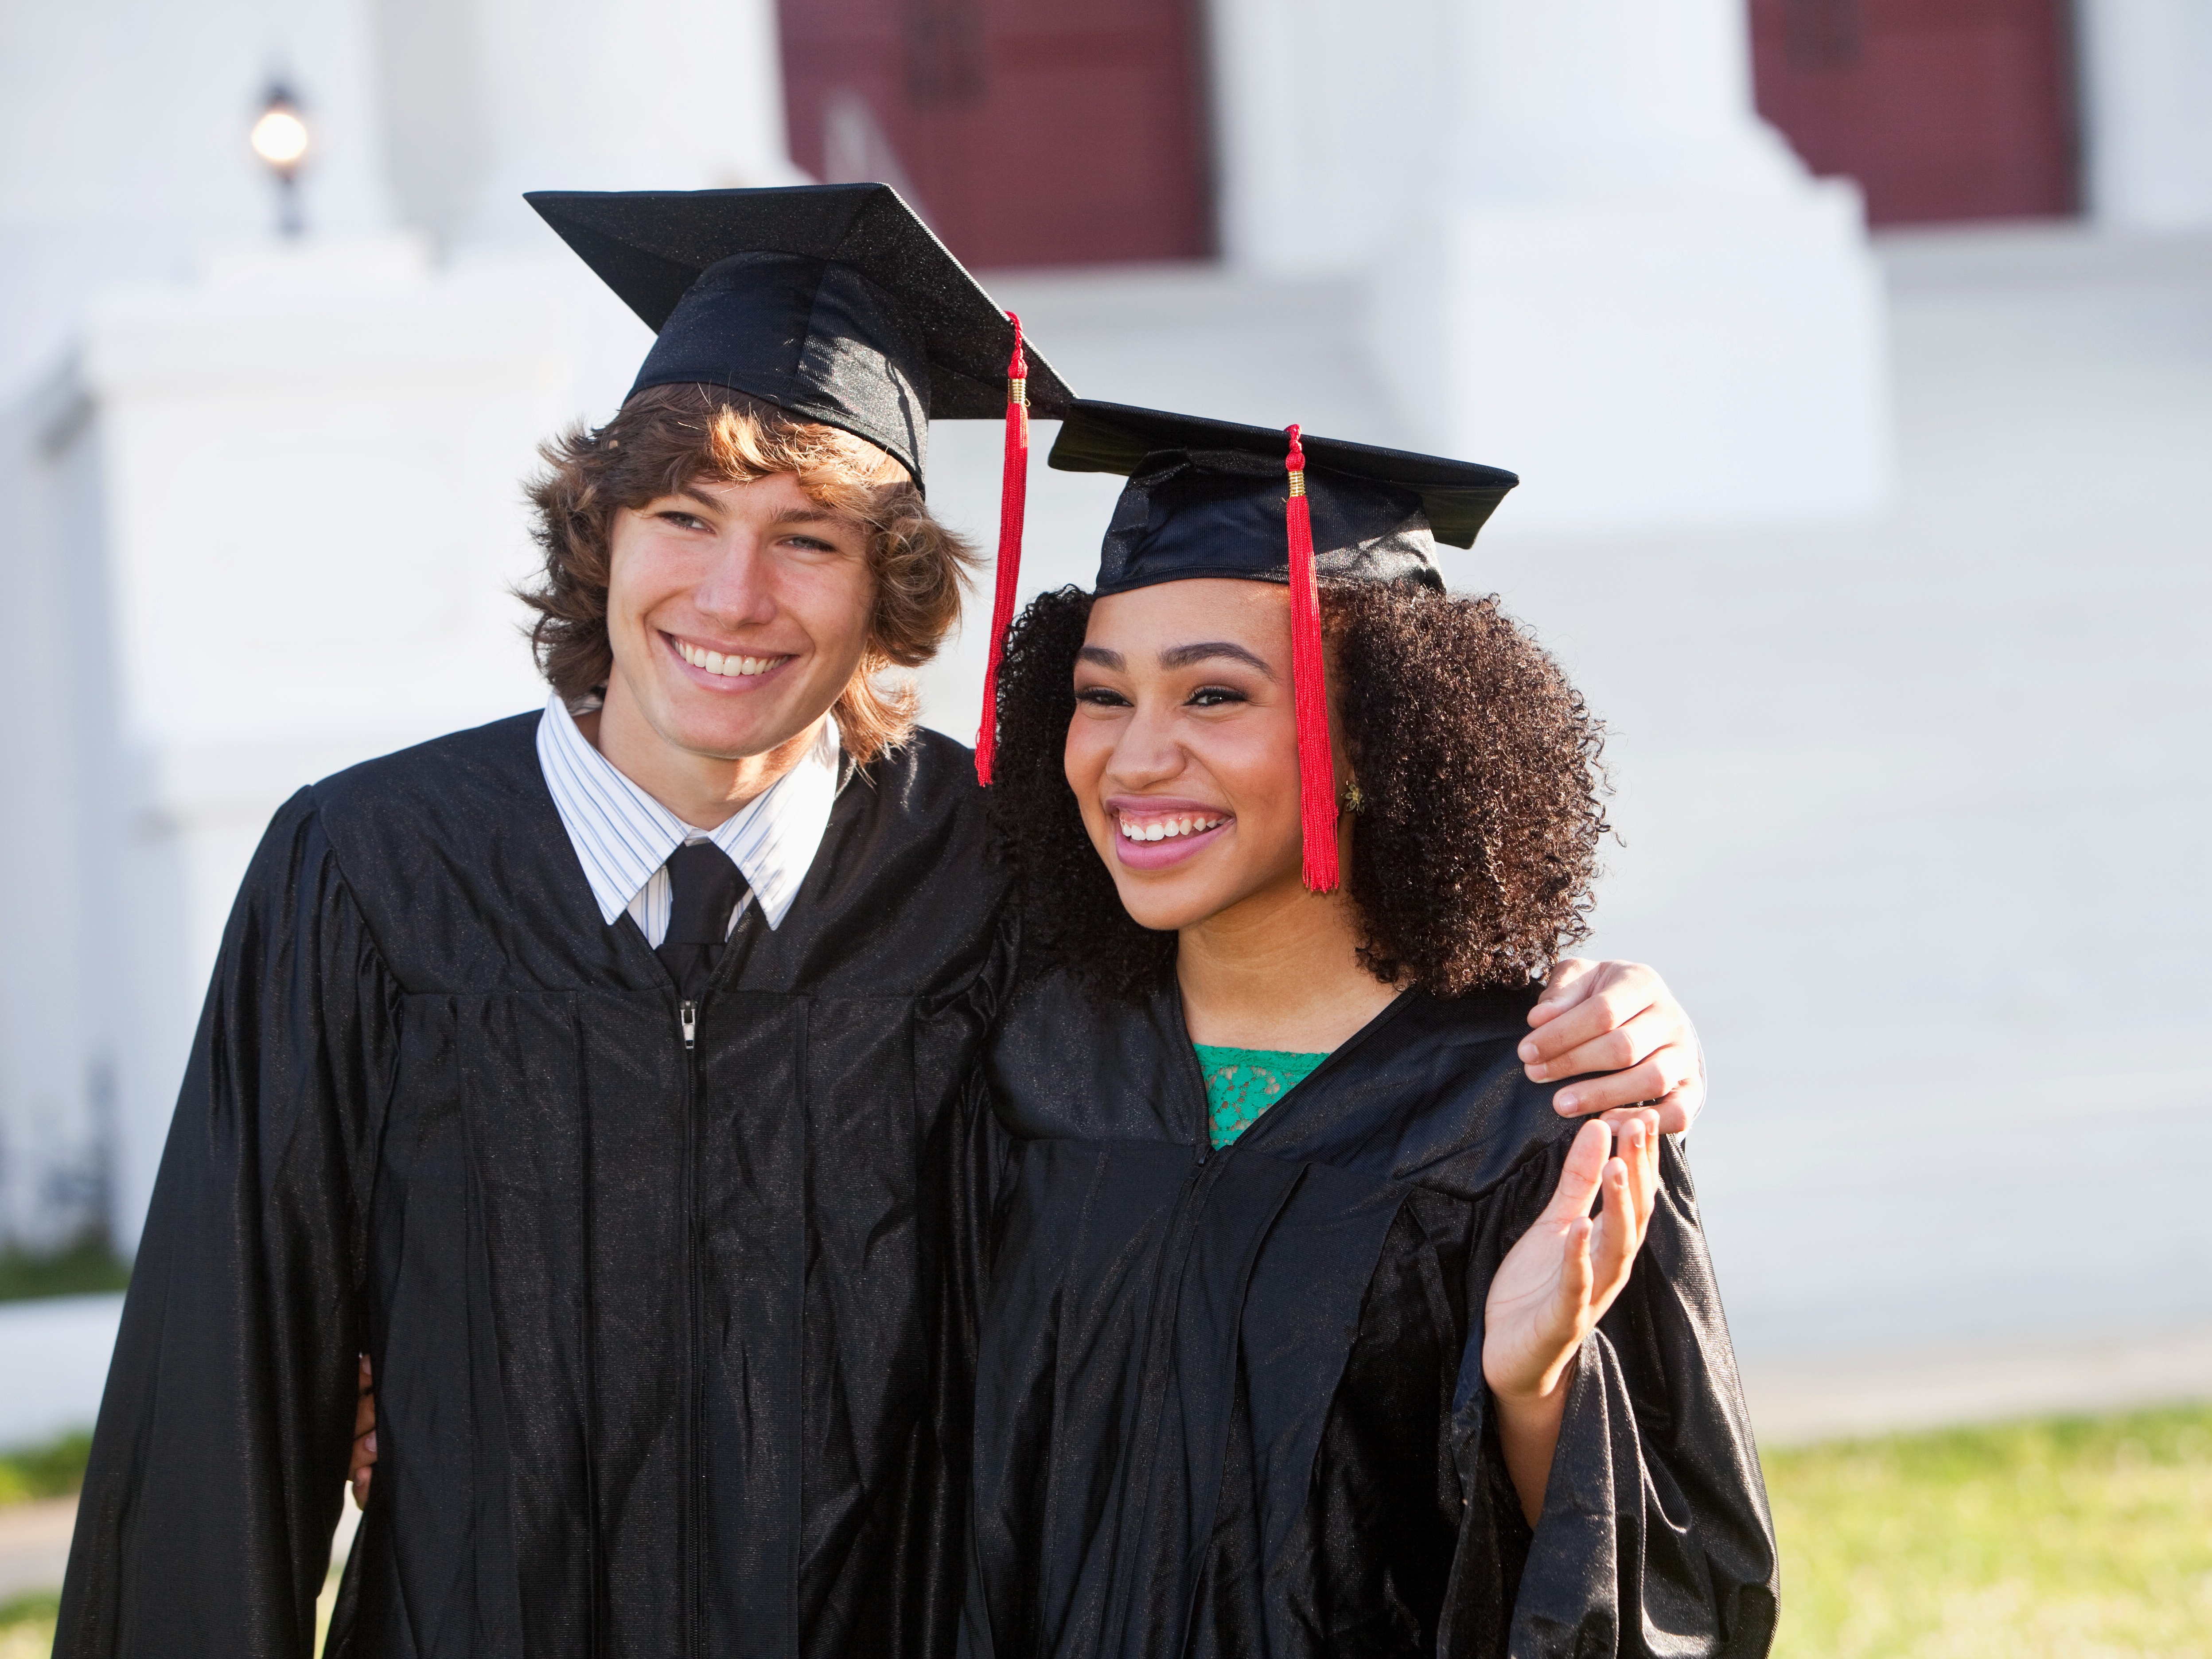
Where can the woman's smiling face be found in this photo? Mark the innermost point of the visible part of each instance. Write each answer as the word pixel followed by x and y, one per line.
pixel 1183 749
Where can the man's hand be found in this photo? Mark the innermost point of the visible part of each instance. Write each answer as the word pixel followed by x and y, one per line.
pixel 364 1438
pixel 1619 1018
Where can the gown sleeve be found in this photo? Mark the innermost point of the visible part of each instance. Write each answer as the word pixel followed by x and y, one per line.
pixel 1655 1537
pixel 218 1464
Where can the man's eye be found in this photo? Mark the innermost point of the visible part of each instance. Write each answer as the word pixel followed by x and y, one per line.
pixel 682 520
pixel 810 544
pixel 1215 696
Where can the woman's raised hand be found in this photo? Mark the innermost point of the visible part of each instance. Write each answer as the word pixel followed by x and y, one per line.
pixel 1556 1282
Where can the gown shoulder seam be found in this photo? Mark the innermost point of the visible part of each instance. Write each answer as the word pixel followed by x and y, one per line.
pixel 346 887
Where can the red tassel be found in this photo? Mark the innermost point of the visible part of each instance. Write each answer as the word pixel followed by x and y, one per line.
pixel 1309 692
pixel 1013 504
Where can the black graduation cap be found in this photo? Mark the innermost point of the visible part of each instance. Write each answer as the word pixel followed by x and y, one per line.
pixel 1208 498
pixel 1212 498
pixel 832 302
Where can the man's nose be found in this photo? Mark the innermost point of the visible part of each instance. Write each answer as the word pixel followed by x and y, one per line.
pixel 735 590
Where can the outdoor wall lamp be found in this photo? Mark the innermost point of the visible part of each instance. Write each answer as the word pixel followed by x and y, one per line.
pixel 280 138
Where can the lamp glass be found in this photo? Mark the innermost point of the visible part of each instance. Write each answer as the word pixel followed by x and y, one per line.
pixel 280 137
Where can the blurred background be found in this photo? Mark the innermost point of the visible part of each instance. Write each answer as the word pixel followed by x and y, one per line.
pixel 1856 355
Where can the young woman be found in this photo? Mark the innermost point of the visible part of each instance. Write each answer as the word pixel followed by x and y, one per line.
pixel 1302 1337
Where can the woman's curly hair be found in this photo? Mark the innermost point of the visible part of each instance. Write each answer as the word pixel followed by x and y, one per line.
pixel 1477 766
pixel 666 437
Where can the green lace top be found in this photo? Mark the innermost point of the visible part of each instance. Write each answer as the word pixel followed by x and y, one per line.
pixel 1243 1083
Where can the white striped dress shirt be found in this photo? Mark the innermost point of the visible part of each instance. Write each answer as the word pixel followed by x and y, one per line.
pixel 623 836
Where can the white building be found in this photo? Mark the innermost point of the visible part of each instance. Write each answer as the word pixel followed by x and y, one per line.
pixel 259 502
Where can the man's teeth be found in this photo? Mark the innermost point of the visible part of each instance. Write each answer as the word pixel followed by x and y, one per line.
pixel 1167 828
pixel 731 667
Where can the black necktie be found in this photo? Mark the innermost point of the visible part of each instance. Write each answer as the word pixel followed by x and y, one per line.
pixel 704 889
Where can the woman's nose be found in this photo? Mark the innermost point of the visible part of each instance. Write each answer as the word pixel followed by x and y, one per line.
pixel 1149 749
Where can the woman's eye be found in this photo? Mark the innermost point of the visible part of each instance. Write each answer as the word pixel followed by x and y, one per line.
pixel 1100 696
pixel 1215 696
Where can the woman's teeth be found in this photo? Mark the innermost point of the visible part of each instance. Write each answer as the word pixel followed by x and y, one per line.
pixel 729 668
pixel 1166 829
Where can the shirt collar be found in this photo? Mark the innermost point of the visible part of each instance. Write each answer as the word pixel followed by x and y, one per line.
pixel 623 835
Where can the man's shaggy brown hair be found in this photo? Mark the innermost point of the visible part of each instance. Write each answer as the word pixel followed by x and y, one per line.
pixel 667 438
pixel 1477 766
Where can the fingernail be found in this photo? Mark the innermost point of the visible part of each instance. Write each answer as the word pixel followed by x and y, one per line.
pixel 369 1444
pixel 1568 1100
pixel 1539 1070
pixel 1529 1049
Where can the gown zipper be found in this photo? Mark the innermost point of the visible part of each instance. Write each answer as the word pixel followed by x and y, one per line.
pixel 687 1018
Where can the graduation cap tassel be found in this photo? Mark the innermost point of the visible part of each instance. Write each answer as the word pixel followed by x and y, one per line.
pixel 1013 504
pixel 1309 696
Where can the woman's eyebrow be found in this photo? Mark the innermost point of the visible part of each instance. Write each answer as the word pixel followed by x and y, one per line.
pixel 1182 656
pixel 1101 656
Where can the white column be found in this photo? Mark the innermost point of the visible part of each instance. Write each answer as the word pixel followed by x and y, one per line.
pixel 55 1062
pixel 1619 283
pixel 1327 126
pixel 2147 124
pixel 491 98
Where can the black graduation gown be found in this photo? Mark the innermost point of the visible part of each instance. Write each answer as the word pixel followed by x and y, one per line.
pixel 1231 1403
pixel 669 1345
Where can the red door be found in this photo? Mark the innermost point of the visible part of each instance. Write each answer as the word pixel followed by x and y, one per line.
pixel 1941 109
pixel 1028 132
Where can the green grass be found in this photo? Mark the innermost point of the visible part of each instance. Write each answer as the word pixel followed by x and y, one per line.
pixel 88 1265
pixel 53 1470
pixel 27 1626
pixel 37 1607
pixel 2065 1539
pixel 2062 1538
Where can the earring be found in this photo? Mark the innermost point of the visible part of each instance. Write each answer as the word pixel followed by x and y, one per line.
pixel 1349 798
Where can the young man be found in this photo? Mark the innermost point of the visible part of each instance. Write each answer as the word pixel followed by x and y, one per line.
pixel 605 1075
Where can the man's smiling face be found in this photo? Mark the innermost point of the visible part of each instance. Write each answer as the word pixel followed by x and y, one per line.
pixel 738 613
